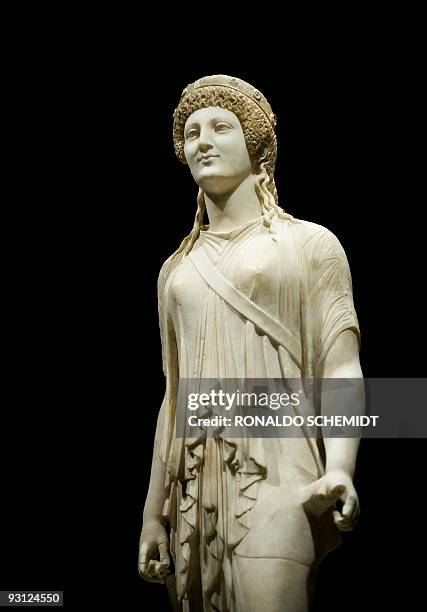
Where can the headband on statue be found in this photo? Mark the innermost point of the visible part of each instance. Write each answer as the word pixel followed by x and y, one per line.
pixel 222 80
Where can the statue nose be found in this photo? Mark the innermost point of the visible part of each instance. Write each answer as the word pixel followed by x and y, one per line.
pixel 204 146
pixel 204 141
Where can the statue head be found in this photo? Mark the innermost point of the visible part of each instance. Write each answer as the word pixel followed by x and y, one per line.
pixel 228 101
pixel 215 150
pixel 248 105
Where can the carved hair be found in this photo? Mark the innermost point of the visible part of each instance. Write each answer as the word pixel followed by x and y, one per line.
pixel 261 143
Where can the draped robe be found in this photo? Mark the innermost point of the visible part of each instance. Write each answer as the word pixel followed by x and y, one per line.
pixel 230 497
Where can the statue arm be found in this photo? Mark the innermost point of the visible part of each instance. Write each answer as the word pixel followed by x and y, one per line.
pixel 157 492
pixel 154 540
pixel 342 361
pixel 337 343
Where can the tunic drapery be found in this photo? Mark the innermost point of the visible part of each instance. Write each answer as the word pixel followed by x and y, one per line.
pixel 231 497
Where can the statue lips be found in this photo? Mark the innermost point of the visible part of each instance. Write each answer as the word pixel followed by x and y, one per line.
pixel 207 158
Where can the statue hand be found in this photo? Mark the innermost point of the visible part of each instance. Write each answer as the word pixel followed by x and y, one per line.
pixel 335 486
pixel 154 542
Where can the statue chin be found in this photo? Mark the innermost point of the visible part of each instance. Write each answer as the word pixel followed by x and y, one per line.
pixel 217 185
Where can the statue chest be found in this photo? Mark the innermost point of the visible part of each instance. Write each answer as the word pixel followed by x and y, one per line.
pixel 253 267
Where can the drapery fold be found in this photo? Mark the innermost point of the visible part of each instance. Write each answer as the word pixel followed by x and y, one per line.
pixel 213 484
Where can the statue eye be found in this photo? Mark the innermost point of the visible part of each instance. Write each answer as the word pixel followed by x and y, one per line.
pixel 192 133
pixel 222 127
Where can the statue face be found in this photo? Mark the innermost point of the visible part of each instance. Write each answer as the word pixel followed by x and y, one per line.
pixel 215 150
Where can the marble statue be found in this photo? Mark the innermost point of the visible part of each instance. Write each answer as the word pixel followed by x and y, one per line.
pixel 246 522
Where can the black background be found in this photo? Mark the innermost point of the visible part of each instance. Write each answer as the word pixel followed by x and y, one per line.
pixel 101 204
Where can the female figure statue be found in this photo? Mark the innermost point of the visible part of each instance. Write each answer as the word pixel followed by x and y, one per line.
pixel 247 521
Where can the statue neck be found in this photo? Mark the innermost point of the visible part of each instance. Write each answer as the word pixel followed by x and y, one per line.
pixel 230 210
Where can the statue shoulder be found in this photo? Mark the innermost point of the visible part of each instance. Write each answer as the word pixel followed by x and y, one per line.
pixel 168 270
pixel 318 242
pixel 165 270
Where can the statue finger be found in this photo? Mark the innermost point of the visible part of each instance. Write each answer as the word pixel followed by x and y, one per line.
pixel 338 491
pixel 349 507
pixel 164 554
pixel 322 491
pixel 337 516
pixel 345 523
pixel 142 568
pixel 145 552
